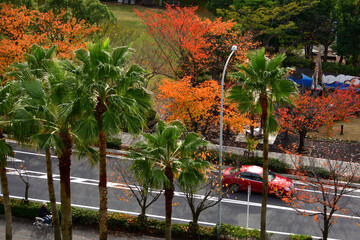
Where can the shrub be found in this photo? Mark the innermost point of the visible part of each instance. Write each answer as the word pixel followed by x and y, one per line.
pixel 297 61
pixel 230 231
pixel 315 171
pixel 114 143
pixel 341 69
pixel 300 237
pixel 335 68
pixel 231 159
pixel 132 224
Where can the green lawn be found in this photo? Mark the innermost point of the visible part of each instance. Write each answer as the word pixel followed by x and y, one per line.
pixel 125 13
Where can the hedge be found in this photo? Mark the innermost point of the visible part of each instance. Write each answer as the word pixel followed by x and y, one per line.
pixel 132 224
pixel 231 159
pixel 300 237
pixel 335 68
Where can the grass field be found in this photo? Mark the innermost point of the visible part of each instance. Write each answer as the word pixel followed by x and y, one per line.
pixel 126 15
pixel 351 131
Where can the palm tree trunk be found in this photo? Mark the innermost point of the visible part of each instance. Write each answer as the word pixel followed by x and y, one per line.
pixel 7 204
pixel 55 215
pixel 64 167
pixel 169 195
pixel 264 104
pixel 102 187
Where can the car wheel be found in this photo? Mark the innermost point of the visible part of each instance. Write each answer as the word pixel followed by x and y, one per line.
pixel 234 188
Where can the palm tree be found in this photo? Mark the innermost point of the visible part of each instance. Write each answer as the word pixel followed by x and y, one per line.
pixel 112 98
pixel 8 97
pixel 261 84
pixel 172 149
pixel 5 150
pixel 49 99
pixel 37 59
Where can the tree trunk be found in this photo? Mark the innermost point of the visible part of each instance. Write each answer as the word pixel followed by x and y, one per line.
pixel 194 226
pixel 55 214
pixel 264 104
pixel 325 232
pixel 27 185
pixel 341 59
pixel 64 167
pixel 7 204
pixel 326 52
pixel 100 109
pixel 169 194
pixel 102 187
pixel 302 136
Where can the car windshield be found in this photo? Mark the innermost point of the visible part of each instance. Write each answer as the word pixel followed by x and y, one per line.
pixel 271 176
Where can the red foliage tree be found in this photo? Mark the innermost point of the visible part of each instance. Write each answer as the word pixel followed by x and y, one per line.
pixel 323 194
pixel 22 28
pixel 310 112
pixel 191 45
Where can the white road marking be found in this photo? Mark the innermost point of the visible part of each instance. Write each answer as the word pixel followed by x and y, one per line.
pixel 156 216
pixel 53 156
pixel 42 175
pixel 12 159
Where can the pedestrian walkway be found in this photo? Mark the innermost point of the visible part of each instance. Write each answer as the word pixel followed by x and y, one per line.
pixel 23 229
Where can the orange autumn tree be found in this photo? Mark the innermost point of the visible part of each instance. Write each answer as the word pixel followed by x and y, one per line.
pixel 21 28
pixel 192 46
pixel 198 106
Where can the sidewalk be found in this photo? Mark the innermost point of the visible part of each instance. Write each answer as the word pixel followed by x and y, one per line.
pixel 23 229
pixel 128 140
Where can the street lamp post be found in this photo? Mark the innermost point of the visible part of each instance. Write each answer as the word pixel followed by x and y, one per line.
pixel 233 49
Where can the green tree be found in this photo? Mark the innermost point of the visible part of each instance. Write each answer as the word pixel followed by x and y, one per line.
pixel 171 148
pixel 30 4
pixel 92 11
pixel 213 5
pixel 112 98
pixel 348 29
pixel 316 25
pixel 271 22
pixel 261 84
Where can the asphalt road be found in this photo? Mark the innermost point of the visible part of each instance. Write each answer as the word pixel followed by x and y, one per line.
pixel 281 219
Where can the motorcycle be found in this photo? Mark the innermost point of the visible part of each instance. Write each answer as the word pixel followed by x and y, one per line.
pixel 40 224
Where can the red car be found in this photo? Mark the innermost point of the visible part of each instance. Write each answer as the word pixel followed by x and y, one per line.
pixel 238 179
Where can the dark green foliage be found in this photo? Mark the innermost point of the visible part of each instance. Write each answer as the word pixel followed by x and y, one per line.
pixel 300 237
pixel 315 172
pixel 92 11
pixel 297 61
pixel 132 224
pixel 30 4
pixel 212 5
pixel 230 231
pixel 114 143
pixel 231 159
pixel 335 68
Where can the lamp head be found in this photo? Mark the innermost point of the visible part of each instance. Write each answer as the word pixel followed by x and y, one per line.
pixel 234 48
